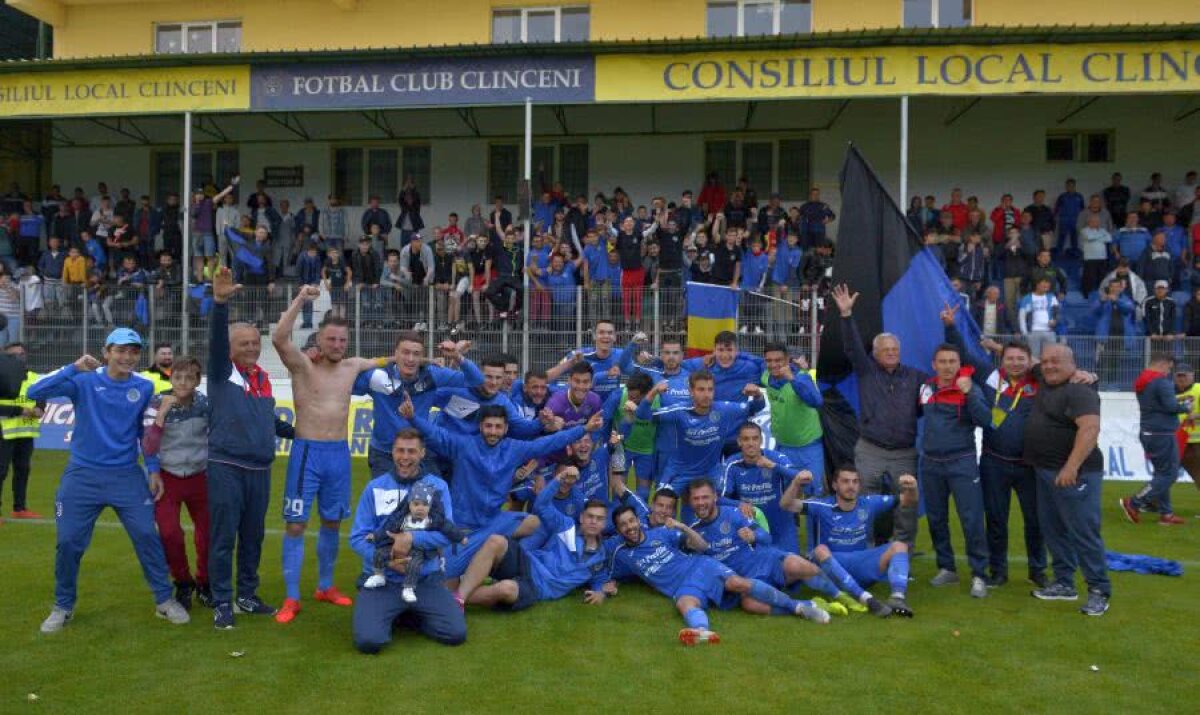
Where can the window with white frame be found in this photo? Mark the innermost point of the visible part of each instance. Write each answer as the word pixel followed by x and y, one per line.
pixel 769 165
pixel 564 164
pixel 210 168
pixel 936 13
pixel 197 38
pixel 540 24
pixel 748 18
pixel 362 172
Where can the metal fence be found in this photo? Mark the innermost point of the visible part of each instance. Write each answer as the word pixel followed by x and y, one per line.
pixel 58 323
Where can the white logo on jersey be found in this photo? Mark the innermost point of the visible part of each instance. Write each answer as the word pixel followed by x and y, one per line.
pixel 460 407
pixel 386 501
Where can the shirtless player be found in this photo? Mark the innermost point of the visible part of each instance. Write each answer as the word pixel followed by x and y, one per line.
pixel 319 463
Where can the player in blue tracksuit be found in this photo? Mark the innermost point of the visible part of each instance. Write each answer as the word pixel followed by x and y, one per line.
pixel 757 477
pixel 603 357
pixel 731 369
pixel 843 525
pixel 376 609
pixel 522 575
pixel 700 430
pixel 408 375
pixel 1011 391
pixel 953 407
pixel 485 465
pixel 669 369
pixel 656 556
pixel 1160 412
pixel 531 394
pixel 103 470
pixel 737 541
pixel 459 406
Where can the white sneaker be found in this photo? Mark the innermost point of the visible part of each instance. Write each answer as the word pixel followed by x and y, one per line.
pixel 420 327
pixel 758 330
pixel 375 581
pixel 56 620
pixel 743 330
pixel 173 611
pixel 978 588
pixel 944 577
pixel 408 594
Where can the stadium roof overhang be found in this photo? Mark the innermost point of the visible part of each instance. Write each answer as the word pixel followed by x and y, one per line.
pixel 683 85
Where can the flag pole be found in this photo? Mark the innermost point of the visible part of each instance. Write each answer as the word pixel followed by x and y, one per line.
pixel 904 150
pixel 185 205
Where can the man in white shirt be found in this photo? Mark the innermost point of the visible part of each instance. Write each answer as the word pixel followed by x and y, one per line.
pixel 1039 316
pixel 1186 192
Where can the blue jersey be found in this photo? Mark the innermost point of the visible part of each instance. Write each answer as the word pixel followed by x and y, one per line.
pixel 524 405
pixel 724 544
pixel 483 474
pixel 787 263
pixel 459 413
pixel 846 530
pixel 387 390
pixel 597 262
pixel 658 560
pixel 379 499
pixel 108 414
pixel 754 270
pixel 564 562
pixel 602 383
pixel 729 381
pixel 593 476
pixel 751 483
pixel 696 451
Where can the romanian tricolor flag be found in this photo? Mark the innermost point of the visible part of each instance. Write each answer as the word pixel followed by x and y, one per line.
pixel 710 310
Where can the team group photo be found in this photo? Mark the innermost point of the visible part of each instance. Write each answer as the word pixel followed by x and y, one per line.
pixel 702 354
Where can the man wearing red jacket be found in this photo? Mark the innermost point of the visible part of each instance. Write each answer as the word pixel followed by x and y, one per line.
pixel 1004 217
pixel 957 209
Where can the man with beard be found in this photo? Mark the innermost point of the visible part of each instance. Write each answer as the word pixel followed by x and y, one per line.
pixel 319 463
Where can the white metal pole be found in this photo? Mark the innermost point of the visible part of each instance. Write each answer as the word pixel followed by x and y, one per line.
pixel 185 205
pixel 528 229
pixel 903 198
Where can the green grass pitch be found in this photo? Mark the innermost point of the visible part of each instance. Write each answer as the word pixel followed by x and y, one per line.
pixel 1006 653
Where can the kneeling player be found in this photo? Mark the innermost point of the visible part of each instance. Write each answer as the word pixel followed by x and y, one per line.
pixel 843 523
pixel 523 576
pixel 743 546
pixel 692 582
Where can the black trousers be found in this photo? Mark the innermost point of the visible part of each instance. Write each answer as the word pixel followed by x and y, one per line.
pixel 18 453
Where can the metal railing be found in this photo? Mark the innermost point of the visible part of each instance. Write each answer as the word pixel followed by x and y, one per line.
pixel 58 323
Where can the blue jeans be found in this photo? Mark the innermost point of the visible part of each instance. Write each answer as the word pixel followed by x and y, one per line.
pixel 82 495
pixel 957 476
pixel 1163 453
pixel 237 511
pixel 1070 520
pixel 1000 478
pixel 377 611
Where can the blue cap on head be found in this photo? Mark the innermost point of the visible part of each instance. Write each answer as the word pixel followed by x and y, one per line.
pixel 123 336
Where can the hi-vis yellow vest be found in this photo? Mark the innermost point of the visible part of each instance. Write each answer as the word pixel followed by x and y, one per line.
pixel 1192 394
pixel 22 427
pixel 161 384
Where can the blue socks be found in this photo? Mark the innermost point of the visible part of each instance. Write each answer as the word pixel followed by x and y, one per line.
pixel 696 618
pixel 779 601
pixel 293 559
pixel 327 553
pixel 898 573
pixel 831 568
pixel 821 584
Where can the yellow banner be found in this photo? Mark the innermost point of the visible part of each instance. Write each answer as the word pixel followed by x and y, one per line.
pixel 358 425
pixel 127 91
pixel 891 71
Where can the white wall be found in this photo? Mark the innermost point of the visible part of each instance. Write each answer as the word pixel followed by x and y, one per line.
pixel 996 146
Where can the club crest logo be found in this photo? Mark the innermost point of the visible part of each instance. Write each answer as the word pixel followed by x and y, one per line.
pixel 726 528
pixel 133 395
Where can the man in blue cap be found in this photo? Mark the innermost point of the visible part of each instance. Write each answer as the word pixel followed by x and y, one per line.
pixel 103 470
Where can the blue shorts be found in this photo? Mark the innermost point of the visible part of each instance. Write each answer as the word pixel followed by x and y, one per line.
pixel 459 556
pixel 706 582
pixel 863 566
pixel 644 465
pixel 764 563
pixel 319 471
pixel 811 457
pixel 204 245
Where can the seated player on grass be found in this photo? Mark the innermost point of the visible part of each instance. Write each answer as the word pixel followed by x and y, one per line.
pixel 843 523
pixel 742 545
pixel 693 582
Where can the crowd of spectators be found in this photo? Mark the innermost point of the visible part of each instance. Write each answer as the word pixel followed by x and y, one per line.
pixel 597 258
